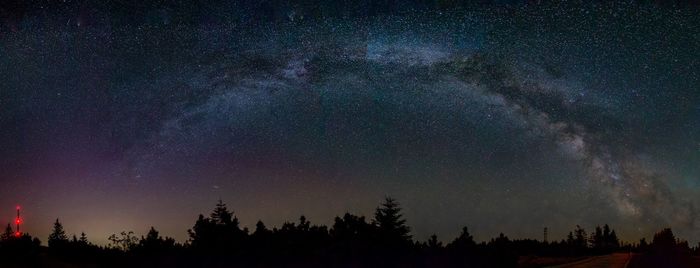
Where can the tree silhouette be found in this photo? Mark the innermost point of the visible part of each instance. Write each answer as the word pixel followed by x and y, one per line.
pixel 464 241
pixel 612 240
pixel 353 238
pixel 502 251
pixel 124 241
pixel 18 251
pixel 152 236
pixel 570 239
pixel 463 250
pixel 432 252
pixel 83 239
pixel 222 216
pixel 597 238
pixel 580 238
pixel 607 233
pixel 57 238
pixel 666 250
pixel 665 239
pixel 153 240
pixel 153 243
pixel 643 245
pixel 220 233
pixel 433 243
pixel 8 233
pixel 604 240
pixel 391 226
pixel 351 227
pixel 261 229
pixel 261 239
pixel 393 240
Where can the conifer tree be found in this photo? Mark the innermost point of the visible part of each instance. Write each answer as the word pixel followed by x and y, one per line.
pixel 260 229
pixel 58 237
pixel 83 239
pixel 581 239
pixel 8 233
pixel 463 241
pixel 613 241
pixel 220 233
pixel 222 216
pixel 390 223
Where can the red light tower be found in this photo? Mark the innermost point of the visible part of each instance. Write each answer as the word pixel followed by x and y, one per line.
pixel 18 221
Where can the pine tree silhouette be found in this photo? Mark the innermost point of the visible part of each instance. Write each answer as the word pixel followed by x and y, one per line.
pixel 581 239
pixel 222 216
pixel 83 239
pixel 598 239
pixel 218 234
pixel 260 229
pixel 57 238
pixel 8 233
pixel 612 240
pixel 390 223
pixel 464 241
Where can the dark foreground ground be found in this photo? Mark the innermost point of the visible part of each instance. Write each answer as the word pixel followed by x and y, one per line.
pixel 618 260
pixel 615 260
pixel 606 261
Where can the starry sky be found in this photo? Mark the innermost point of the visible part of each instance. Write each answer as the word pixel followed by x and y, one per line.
pixel 503 118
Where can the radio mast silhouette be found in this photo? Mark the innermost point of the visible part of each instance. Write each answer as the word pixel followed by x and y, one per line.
pixel 545 235
pixel 18 221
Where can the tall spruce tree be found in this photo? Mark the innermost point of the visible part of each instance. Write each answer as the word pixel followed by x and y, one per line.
pixel 390 223
pixel 222 216
pixel 58 237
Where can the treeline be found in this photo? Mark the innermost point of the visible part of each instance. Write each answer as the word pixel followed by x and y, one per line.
pixel 352 241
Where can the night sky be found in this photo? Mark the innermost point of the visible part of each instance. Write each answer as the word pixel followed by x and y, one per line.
pixel 502 118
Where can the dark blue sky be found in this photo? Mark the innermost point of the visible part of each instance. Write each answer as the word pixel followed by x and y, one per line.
pixel 500 118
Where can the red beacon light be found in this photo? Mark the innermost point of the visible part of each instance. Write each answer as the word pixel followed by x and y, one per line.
pixel 18 220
